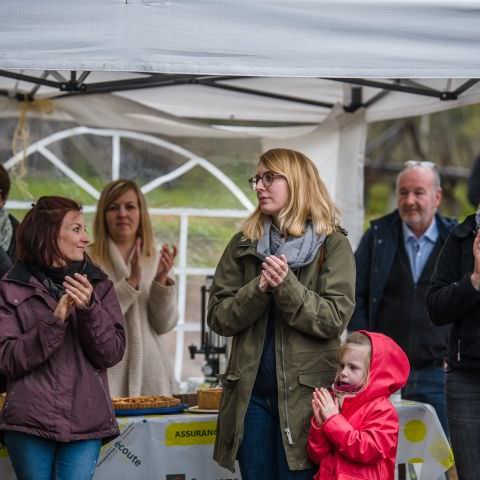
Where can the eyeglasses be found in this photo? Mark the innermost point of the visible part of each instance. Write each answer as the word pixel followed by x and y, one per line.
pixel 267 179
pixel 419 163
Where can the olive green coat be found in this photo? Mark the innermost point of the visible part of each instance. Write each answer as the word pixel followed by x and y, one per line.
pixel 313 305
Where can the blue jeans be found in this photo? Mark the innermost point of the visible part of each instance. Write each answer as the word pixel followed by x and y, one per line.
pixel 463 408
pixel 427 385
pixel 36 458
pixel 261 455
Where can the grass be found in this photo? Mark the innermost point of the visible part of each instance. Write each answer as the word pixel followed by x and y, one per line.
pixel 207 237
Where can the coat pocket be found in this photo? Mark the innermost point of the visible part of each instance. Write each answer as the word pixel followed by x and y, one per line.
pixel 312 379
pixel 228 418
pixel 229 381
pixel 308 381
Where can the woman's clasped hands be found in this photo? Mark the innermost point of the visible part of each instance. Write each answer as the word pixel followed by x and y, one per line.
pixel 78 294
pixel 274 272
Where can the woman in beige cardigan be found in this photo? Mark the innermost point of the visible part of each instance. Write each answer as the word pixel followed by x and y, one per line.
pixel 124 247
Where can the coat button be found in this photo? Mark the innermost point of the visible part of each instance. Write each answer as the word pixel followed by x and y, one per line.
pixel 290 388
pixel 15 300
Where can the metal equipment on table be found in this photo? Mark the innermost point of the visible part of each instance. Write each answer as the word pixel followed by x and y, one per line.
pixel 212 345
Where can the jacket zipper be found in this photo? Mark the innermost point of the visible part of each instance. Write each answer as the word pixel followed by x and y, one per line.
pixel 287 428
pixel 459 356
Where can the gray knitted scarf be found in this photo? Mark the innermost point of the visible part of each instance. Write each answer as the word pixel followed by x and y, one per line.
pixel 6 230
pixel 299 251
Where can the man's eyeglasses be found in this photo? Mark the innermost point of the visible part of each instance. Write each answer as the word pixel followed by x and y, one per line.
pixel 267 179
pixel 419 163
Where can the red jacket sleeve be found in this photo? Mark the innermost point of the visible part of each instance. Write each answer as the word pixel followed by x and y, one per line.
pixel 318 445
pixel 376 439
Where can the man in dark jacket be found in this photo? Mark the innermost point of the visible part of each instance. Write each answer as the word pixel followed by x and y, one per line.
pixel 395 261
pixel 8 226
pixel 8 229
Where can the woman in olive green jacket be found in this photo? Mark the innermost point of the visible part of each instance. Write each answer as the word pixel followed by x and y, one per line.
pixel 284 290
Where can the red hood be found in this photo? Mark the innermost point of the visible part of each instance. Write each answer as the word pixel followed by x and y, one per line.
pixel 389 368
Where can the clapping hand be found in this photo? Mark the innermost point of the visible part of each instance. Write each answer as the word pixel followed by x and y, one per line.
pixel 165 263
pixel 64 307
pixel 475 277
pixel 78 294
pixel 79 290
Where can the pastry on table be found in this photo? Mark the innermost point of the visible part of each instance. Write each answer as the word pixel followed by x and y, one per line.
pixel 209 398
pixel 151 401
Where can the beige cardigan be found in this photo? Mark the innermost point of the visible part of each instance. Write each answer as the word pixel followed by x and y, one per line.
pixel 149 312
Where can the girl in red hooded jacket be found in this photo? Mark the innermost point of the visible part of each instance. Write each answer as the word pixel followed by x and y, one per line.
pixel 354 430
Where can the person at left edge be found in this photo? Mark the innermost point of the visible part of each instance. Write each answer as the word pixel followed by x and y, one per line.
pixel 60 329
pixel 8 228
pixel 8 231
pixel 284 290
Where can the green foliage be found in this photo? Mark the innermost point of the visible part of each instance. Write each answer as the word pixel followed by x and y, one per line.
pixel 377 204
pixel 207 237
pixel 381 200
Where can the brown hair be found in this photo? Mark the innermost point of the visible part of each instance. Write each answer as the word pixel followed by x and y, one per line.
pixel 308 197
pixel 37 235
pixel 4 183
pixel 112 191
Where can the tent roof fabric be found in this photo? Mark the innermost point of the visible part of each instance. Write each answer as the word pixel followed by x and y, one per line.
pixel 275 63
pixel 395 38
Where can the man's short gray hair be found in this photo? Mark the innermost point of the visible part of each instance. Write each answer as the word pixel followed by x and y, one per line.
pixel 409 164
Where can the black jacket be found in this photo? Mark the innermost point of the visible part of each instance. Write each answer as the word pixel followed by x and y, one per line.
pixel 7 258
pixel 453 299
pixel 425 344
pixel 374 258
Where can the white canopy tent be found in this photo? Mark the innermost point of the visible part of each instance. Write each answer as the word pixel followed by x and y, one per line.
pixel 216 68
pixel 334 38
pixel 307 74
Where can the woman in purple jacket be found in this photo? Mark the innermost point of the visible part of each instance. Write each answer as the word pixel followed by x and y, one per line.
pixel 60 329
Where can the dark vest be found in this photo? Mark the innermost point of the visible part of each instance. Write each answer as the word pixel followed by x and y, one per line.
pixel 403 312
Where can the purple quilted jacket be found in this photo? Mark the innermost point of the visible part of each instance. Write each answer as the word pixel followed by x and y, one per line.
pixel 56 372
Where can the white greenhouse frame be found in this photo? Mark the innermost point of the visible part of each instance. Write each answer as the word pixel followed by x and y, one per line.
pixel 182 270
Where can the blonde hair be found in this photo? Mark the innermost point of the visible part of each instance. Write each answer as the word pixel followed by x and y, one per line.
pixel 356 339
pixel 308 197
pixel 99 249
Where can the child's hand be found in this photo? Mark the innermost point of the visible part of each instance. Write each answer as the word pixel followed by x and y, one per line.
pixel 328 406
pixel 316 408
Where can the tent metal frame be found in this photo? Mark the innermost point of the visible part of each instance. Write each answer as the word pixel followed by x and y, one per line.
pixel 77 85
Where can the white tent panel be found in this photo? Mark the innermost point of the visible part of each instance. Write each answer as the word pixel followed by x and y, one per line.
pixel 199 101
pixel 244 37
pixel 283 47
pixel 106 111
